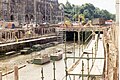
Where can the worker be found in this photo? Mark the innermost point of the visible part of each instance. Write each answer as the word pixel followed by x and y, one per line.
pixel 29 33
pixel 16 39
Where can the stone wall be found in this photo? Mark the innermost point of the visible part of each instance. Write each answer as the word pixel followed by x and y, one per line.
pixel 13 35
pixel 111 53
pixel 26 11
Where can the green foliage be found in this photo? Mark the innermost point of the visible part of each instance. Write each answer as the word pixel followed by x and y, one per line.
pixel 87 10
pixel 67 19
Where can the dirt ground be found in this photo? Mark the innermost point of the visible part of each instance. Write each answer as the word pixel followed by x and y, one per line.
pixel 8 63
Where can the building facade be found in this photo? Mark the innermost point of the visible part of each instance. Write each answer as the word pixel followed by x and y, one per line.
pixel 26 11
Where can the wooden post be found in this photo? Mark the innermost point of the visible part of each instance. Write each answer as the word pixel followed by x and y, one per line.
pixel 16 73
pixel 107 58
pixel 106 76
pixel 0 75
pixel 115 73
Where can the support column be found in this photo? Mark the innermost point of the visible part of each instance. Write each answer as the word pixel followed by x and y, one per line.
pixel 13 35
pixel 79 41
pixel 18 34
pixel 21 34
pixel 5 35
pixel 10 35
pixel 74 48
pixel 42 31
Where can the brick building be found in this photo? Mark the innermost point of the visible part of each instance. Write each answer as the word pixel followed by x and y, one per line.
pixel 26 11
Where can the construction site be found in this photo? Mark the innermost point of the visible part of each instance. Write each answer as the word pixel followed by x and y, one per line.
pixel 33 46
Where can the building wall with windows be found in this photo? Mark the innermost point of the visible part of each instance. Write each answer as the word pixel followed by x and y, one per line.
pixel 26 11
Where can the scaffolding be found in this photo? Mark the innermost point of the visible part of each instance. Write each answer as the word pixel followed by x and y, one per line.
pixel 77 59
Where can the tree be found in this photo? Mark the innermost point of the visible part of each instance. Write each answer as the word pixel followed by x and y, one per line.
pixel 87 13
pixel 88 10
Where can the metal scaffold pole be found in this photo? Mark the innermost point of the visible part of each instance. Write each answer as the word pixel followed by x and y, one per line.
pixel 88 66
pixel 92 56
pixel 65 57
pixel 74 54
pixel 74 48
pixel 79 41
pixel 85 40
pixel 54 69
pixel 95 49
pixel 82 41
pixel 82 70
pixel 42 74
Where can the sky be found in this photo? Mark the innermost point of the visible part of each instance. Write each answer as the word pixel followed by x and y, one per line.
pixel 109 5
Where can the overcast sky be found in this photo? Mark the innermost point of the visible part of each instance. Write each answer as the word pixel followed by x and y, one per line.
pixel 102 4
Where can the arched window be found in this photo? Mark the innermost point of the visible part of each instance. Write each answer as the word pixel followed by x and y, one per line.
pixel 26 18
pixel 12 17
